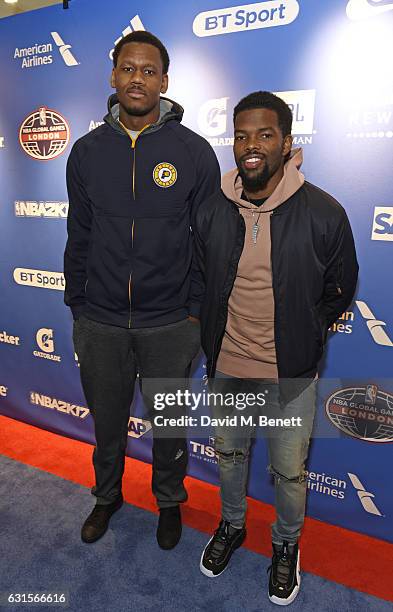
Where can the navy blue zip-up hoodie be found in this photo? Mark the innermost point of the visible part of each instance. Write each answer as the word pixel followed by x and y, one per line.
pixel 128 258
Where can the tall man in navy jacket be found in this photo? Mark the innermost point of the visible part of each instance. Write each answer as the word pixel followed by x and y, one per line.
pixel 134 186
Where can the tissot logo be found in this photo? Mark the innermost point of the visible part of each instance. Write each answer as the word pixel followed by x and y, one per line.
pixel 203 452
pixel 362 9
pixel 382 223
pixel 135 25
pixel 376 327
pixel 246 17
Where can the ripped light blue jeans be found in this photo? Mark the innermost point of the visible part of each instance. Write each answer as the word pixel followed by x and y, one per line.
pixel 287 448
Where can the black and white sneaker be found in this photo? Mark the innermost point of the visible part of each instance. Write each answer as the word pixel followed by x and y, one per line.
pixel 219 549
pixel 284 581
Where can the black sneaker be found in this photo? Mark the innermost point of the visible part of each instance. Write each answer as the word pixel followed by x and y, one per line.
pixel 284 581
pixel 219 549
pixel 97 522
pixel 169 527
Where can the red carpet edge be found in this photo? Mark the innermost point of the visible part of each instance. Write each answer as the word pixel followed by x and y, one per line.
pixel 331 552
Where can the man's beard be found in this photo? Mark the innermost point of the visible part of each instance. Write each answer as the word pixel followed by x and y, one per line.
pixel 258 181
pixel 137 111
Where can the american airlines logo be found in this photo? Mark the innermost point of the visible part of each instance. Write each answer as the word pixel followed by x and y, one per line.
pixel 376 327
pixel 362 9
pixel 337 488
pixel 365 497
pixel 135 25
pixel 41 54
pixel 95 124
pixel 64 50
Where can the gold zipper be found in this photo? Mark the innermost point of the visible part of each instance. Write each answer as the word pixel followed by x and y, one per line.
pixel 129 299
pixel 133 143
pixel 129 280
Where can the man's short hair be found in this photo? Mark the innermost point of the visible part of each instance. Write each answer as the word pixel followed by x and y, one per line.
pixel 140 36
pixel 266 99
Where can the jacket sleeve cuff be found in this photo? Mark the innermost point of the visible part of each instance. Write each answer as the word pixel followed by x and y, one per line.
pixel 194 309
pixel 77 311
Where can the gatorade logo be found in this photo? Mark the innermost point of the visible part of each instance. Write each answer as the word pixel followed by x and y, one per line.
pixel 212 117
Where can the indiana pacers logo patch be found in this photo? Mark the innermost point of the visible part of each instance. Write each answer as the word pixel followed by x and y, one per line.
pixel 165 175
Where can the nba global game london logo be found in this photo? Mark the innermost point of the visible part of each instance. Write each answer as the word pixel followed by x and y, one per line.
pixel 44 134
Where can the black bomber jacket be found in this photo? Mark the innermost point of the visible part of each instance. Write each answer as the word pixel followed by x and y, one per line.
pixel 314 275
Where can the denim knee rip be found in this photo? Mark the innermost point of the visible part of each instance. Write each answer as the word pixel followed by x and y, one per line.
pixel 232 456
pixel 278 477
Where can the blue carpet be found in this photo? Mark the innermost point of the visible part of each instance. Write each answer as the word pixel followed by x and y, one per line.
pixel 41 551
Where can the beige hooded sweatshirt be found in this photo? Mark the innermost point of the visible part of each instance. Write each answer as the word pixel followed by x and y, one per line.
pixel 248 347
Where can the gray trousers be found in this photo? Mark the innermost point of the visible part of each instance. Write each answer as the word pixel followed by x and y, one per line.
pixel 110 358
pixel 287 447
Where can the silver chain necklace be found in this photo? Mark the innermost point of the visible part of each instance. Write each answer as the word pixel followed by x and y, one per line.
pixel 255 227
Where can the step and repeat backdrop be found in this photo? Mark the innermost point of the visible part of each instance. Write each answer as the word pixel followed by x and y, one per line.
pixel 332 62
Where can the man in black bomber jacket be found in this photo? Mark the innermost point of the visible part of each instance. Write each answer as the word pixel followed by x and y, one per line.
pixel 135 184
pixel 277 267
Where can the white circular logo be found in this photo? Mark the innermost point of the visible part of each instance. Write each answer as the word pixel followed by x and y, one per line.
pixel 165 174
pixel 44 134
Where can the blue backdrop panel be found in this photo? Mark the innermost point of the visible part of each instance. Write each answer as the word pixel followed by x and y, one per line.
pixel 331 62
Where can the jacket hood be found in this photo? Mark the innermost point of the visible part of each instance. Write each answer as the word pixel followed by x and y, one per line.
pixel 168 110
pixel 292 180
